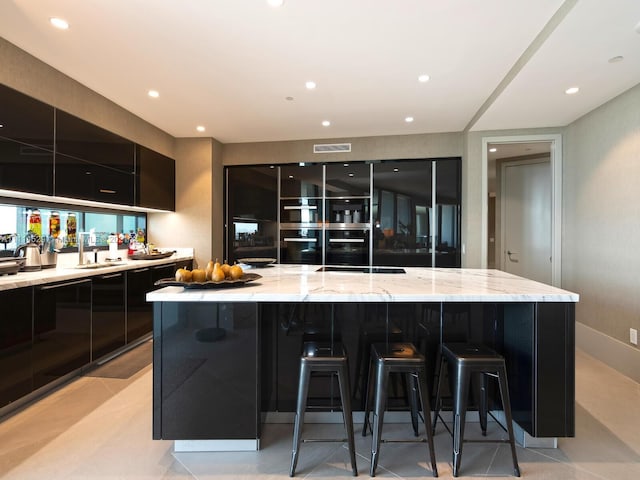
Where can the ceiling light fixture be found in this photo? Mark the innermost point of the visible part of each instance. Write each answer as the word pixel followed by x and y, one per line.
pixel 153 93
pixel 275 3
pixel 395 169
pixel 326 123
pixel 200 128
pixel 310 85
pixel 289 99
pixel 408 119
pixel 493 150
pixel 60 23
pixel 572 90
pixel 423 78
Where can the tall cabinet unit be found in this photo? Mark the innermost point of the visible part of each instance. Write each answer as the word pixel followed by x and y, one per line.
pixel 252 213
pixel 301 214
pixel 387 213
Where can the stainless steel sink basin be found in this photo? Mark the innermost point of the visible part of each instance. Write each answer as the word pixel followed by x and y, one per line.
pixel 93 266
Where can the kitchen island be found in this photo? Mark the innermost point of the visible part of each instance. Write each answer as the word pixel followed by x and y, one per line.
pixel 226 359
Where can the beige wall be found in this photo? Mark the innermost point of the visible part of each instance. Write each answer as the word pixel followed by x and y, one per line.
pixel 601 231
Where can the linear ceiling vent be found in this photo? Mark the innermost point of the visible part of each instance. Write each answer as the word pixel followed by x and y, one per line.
pixel 331 147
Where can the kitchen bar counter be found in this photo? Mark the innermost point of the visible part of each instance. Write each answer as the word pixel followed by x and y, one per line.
pixel 227 358
pixel 303 283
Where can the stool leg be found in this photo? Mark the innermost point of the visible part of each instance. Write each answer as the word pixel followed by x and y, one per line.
pixel 506 405
pixel 382 376
pixel 438 400
pixel 367 394
pixel 483 403
pixel 413 401
pixel 461 392
pixel 303 390
pixel 343 381
pixel 426 412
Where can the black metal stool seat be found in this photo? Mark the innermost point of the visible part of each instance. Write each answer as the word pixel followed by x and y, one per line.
pixel 465 360
pixel 388 358
pixel 323 357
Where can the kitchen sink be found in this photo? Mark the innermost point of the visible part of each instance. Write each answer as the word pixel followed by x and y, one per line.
pixel 93 266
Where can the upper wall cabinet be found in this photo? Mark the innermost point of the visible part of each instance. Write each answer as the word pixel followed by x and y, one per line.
pixel 155 185
pixel 85 141
pixel 26 143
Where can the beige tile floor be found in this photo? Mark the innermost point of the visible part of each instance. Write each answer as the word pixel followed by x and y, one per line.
pixel 100 428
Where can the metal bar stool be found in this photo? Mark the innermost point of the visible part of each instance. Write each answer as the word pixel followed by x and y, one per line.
pixel 465 359
pixel 323 357
pixel 387 358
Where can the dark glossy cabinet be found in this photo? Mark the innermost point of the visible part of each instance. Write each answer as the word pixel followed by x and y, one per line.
pixel 139 313
pixel 155 180
pixel 108 315
pixel 205 371
pixel 15 344
pixel 26 143
pixel 61 330
pixel 252 212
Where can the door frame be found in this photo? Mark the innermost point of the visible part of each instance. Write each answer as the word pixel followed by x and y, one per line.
pixel 556 196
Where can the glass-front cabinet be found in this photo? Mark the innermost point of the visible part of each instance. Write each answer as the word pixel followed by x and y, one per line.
pixel 388 212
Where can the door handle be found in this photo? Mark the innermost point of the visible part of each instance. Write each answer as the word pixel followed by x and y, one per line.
pixel 509 253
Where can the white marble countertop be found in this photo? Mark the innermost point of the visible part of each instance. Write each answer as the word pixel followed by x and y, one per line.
pixel 66 269
pixel 302 283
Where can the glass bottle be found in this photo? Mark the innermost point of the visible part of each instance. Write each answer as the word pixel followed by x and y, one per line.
pixel 54 225
pixel 35 225
pixel 71 229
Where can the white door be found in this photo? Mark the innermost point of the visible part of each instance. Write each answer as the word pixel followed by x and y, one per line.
pixel 526 219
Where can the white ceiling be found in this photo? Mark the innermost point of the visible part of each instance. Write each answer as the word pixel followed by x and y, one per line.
pixel 230 64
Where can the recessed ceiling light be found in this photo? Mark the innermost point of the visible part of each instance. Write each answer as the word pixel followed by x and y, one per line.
pixel 616 59
pixel 153 93
pixel 423 78
pixel 345 164
pixel 351 174
pixel 289 99
pixel 60 23
pixel 1 125
pixel 395 169
pixel 408 119
pixel 310 85
pixel 290 176
pixel 200 128
pixel 572 90
pixel 493 150
pixel 275 3
pixel 326 123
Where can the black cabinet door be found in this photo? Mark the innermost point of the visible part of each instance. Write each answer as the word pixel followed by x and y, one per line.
pixel 85 141
pixel 448 212
pixel 205 371
pixel 139 312
pixel 155 180
pixel 76 178
pixel 108 314
pixel 26 143
pixel 252 212
pixel 62 330
pixel 15 344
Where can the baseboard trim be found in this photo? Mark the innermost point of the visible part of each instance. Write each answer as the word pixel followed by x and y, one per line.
pixel 249 445
pixel 616 354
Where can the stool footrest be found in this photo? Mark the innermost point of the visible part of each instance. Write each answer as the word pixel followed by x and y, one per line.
pixel 318 440
pixel 420 440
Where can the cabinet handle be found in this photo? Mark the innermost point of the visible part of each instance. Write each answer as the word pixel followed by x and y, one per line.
pixel 158 267
pixel 296 239
pixel 113 275
pixel 68 284
pixel 300 207
pixel 346 240
pixel 140 270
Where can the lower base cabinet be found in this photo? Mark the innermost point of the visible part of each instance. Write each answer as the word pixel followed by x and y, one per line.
pixel 15 344
pixel 61 330
pixel 108 316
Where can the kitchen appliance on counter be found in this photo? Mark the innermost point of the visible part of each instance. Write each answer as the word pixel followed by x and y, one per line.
pixel 49 252
pixel 31 253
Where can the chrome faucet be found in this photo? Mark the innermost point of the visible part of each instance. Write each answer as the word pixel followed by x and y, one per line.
pixel 90 234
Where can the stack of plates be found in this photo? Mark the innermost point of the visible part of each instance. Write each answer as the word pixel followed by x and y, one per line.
pixel 10 265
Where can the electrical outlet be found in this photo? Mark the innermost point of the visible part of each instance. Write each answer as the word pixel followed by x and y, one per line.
pixel 633 336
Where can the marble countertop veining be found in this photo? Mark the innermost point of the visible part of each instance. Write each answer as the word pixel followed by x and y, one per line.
pixel 302 283
pixel 66 269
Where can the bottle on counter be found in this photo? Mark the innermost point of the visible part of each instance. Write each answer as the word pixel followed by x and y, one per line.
pixel 35 224
pixel 54 225
pixel 71 229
